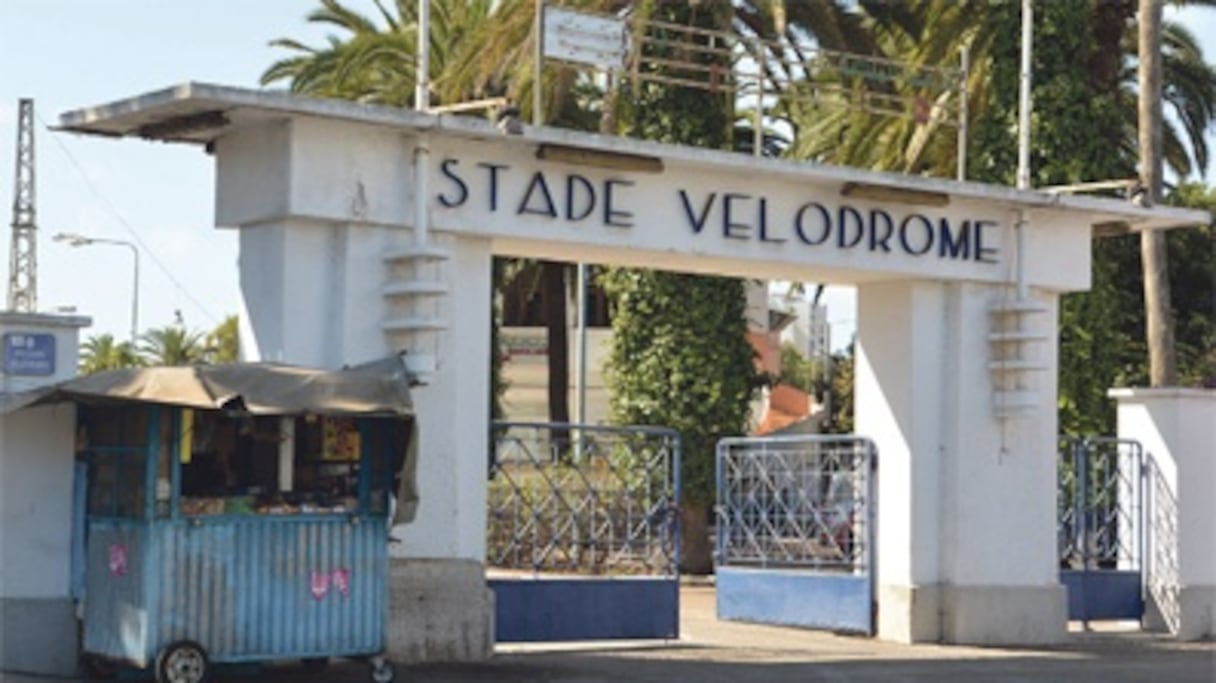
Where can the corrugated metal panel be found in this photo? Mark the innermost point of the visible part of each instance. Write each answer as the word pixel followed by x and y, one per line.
pixel 116 616
pixel 270 588
pixel 245 589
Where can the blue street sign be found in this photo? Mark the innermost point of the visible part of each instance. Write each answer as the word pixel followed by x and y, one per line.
pixel 29 354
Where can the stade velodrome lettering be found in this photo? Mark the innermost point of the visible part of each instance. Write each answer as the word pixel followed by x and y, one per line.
pixel 737 216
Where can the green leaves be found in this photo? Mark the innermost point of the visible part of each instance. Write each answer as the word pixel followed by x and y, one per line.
pixel 168 345
pixel 681 359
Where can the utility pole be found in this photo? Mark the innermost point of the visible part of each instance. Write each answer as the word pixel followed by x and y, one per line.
pixel 1159 327
pixel 23 253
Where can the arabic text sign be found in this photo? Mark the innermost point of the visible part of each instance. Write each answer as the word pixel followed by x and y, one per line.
pixel 29 354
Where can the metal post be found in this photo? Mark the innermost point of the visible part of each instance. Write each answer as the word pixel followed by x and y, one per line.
pixel 76 240
pixel 1082 473
pixel 134 295
pixel 1024 105
pixel 963 112
pixel 758 117
pixel 422 101
pixel 422 76
pixel 580 394
pixel 538 56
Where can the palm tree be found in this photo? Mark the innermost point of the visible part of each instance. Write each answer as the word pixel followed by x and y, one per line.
pixel 932 33
pixel 172 345
pixel 103 352
pixel 372 62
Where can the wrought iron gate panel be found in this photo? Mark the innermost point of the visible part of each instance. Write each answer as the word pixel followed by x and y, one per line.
pixel 795 531
pixel 582 535
pixel 1101 526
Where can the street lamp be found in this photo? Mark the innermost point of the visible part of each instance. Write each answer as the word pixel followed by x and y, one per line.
pixel 76 240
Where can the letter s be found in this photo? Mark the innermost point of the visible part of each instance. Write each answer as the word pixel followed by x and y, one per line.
pixel 446 168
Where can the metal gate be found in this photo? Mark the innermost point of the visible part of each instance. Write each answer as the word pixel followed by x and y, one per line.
pixel 1101 527
pixel 795 533
pixel 582 535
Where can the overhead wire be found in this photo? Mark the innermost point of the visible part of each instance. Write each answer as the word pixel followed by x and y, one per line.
pixel 113 210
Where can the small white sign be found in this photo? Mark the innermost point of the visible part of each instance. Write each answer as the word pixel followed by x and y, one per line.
pixel 583 38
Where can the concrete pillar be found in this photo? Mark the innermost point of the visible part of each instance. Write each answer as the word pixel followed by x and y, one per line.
pixel 1177 428
pixel 966 549
pixel 37 610
pixel 319 207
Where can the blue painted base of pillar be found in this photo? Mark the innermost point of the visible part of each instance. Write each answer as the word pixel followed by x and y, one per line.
pixel 545 610
pixel 783 597
pixel 1103 594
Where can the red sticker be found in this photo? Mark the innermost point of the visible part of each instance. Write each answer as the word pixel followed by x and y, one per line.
pixel 320 584
pixel 342 581
pixel 118 560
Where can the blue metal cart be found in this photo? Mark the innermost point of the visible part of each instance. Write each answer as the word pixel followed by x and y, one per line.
pixel 176 581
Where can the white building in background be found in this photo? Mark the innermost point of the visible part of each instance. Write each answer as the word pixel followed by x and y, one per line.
pixel 810 331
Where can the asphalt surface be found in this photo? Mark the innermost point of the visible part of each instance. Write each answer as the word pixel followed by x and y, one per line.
pixel 711 651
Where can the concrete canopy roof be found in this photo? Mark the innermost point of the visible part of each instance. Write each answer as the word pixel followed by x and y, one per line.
pixel 199 113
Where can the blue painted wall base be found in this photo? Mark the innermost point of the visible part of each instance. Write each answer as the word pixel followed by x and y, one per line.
pixel 837 602
pixel 1103 594
pixel 539 610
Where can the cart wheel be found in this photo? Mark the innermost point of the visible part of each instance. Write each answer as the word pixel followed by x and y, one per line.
pixel 382 670
pixel 182 662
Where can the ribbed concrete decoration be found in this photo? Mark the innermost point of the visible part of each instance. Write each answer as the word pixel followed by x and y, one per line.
pixel 414 294
pixel 1011 360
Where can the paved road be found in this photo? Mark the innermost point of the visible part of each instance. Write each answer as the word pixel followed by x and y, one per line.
pixel 711 651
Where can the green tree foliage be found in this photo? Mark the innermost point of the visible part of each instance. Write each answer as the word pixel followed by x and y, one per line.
pixel 680 358
pixel 798 371
pixel 1084 68
pixel 172 345
pixel 840 401
pixel 223 344
pixel 1192 259
pixel 103 352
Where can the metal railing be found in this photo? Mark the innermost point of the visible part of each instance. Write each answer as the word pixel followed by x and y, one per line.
pixel 1101 503
pixel 761 73
pixel 797 501
pixel 583 499
pixel 1161 563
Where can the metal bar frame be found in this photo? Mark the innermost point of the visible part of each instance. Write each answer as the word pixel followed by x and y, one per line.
pixel 863 462
pixel 570 509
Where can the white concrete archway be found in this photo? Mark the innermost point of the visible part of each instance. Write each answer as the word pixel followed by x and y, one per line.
pixel 955 373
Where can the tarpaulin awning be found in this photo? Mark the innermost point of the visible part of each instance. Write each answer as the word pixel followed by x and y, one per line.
pixel 380 388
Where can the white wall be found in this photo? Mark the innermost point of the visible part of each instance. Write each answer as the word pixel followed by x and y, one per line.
pixel 36 473
pixel 37 449
pixel 1177 428
pixel 966 500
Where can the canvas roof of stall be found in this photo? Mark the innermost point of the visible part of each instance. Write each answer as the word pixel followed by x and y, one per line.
pixel 377 389
pixel 199 113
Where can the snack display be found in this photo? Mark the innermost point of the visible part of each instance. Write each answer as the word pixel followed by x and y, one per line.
pixel 278 504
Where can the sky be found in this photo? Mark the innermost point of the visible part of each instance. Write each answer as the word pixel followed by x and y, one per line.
pixel 68 54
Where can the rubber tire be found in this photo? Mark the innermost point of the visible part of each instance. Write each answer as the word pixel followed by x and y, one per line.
pixel 166 656
pixel 382 672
